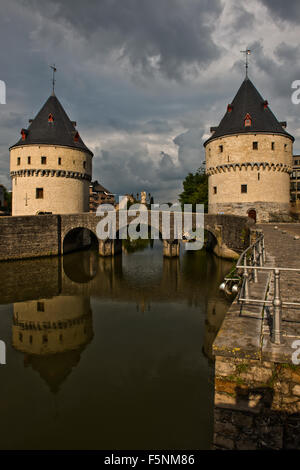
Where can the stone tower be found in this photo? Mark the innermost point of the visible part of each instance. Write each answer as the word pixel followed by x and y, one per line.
pixel 248 159
pixel 50 166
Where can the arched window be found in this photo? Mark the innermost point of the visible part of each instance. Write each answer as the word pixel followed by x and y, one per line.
pixel 265 104
pixel 248 120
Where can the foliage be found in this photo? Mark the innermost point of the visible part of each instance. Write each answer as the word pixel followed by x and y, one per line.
pixel 7 201
pixel 195 189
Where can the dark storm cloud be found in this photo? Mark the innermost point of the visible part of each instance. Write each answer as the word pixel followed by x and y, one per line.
pixel 289 11
pixel 287 53
pixel 126 167
pixel 166 36
pixel 242 19
pixel 135 74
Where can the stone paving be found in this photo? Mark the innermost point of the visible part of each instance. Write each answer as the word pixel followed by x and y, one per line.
pixel 282 242
pixel 257 385
pixel 246 330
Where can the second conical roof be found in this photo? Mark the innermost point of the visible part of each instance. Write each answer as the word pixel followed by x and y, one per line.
pixel 248 101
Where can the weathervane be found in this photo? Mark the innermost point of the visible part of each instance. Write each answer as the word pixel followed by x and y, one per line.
pixel 53 76
pixel 246 52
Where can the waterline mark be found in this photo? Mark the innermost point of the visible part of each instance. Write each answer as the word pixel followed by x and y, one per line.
pixel 166 222
pixel 2 352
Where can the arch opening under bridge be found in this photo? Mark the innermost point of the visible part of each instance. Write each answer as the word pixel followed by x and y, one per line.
pixel 79 238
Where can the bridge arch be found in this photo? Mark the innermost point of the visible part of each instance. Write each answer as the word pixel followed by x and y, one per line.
pixel 79 238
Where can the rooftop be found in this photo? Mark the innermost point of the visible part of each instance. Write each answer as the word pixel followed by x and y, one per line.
pixel 247 114
pixel 52 126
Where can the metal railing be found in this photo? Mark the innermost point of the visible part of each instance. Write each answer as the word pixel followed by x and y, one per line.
pixel 250 262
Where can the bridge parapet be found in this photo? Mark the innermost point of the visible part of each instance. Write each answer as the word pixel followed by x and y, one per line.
pixel 44 235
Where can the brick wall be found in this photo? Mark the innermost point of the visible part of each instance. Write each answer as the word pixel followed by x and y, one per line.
pixel 257 404
pixel 29 236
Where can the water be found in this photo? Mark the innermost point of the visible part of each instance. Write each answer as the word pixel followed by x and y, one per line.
pixel 110 353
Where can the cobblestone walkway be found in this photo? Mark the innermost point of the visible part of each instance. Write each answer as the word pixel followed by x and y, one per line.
pixel 247 327
pixel 282 243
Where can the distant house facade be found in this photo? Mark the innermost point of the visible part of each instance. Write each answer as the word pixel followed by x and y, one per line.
pixel 295 180
pixel 99 195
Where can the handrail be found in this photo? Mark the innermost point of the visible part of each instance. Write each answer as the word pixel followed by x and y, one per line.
pixel 248 271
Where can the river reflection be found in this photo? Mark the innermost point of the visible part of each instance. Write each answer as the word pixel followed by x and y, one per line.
pixel 109 353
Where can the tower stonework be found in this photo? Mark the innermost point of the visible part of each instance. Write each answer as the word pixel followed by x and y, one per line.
pixel 249 159
pixel 50 166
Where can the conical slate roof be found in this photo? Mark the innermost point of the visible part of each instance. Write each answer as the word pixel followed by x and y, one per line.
pixel 58 131
pixel 55 368
pixel 248 101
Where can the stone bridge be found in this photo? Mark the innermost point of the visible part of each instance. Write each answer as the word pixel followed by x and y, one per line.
pixel 50 235
pixel 226 234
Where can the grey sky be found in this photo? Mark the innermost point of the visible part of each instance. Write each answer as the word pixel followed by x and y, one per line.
pixel 144 79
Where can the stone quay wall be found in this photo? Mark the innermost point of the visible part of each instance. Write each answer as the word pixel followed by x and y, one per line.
pixel 29 236
pixel 265 211
pixel 257 404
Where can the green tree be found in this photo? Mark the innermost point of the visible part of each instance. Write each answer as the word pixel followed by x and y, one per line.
pixel 7 200
pixel 195 189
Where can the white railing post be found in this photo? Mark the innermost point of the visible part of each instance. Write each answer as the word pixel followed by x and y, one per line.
pixel 246 279
pixel 255 278
pixel 263 249
pixel 277 305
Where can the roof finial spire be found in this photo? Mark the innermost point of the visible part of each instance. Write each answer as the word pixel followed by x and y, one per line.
pixel 246 52
pixel 53 77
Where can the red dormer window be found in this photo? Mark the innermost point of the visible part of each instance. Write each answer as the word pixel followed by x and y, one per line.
pixel 50 118
pixel 265 104
pixel 76 137
pixel 229 108
pixel 24 133
pixel 248 120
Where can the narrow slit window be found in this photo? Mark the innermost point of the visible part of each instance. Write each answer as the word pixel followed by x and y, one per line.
pixel 215 189
pixel 40 307
pixel 29 160
pixel 39 194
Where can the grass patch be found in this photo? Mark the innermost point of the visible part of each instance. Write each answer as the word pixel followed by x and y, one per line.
pixel 240 368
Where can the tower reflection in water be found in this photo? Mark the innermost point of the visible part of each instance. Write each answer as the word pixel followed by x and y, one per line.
pixel 115 350
pixel 53 332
